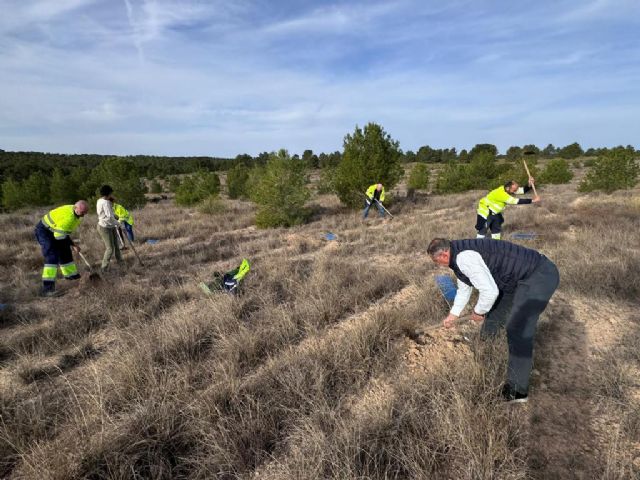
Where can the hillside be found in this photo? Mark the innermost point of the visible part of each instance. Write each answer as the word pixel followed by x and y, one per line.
pixel 313 371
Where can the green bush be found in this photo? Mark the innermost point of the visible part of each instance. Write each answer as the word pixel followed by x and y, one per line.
pixel 589 162
pixel 174 183
pixel 517 173
pixel 327 176
pixel 62 188
pixel 212 205
pixel 483 172
pixel 34 191
pixel 614 170
pixel 12 197
pixel 557 171
pixel 419 177
pixel 453 178
pixel 237 181
pixel 123 176
pixel 280 191
pixel 195 188
pixel 155 187
pixel 370 156
pixel 571 151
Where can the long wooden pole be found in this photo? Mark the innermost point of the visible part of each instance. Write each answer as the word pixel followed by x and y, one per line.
pixel 529 173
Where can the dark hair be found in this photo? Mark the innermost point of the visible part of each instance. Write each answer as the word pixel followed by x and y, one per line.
pixel 509 184
pixel 105 190
pixel 438 245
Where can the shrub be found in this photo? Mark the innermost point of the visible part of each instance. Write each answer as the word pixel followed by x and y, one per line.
pixel 514 153
pixel 556 171
pixel 483 148
pixel 212 205
pixel 613 170
pixel 571 151
pixel 576 164
pixel 195 188
pixel 281 192
pixel 237 181
pixel 155 187
pixel 174 183
pixel 12 198
pixel 453 178
pixel 517 173
pixel 370 156
pixel 483 170
pixel 419 178
pixel 123 176
pixel 481 173
pixel 63 190
pixel 327 176
pixel 34 191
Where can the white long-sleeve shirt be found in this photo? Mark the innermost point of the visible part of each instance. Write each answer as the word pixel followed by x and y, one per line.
pixel 472 265
pixel 106 217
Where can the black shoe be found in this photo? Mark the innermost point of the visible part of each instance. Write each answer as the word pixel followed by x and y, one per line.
pixel 510 395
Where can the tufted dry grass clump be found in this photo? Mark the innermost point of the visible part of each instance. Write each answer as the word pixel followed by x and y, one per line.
pixel 312 371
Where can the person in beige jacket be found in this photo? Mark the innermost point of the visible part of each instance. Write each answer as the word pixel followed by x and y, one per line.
pixel 107 224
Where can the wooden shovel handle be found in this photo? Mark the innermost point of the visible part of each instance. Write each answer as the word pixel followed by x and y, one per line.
pixel 529 174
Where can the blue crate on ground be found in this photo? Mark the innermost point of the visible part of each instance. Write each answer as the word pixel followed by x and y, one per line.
pixel 330 236
pixel 447 286
pixel 152 241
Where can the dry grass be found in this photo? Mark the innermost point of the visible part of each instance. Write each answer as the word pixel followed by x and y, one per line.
pixel 311 372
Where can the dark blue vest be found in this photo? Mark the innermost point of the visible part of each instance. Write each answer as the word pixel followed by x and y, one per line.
pixel 508 263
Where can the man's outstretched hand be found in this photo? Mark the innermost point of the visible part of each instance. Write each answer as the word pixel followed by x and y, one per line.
pixel 450 320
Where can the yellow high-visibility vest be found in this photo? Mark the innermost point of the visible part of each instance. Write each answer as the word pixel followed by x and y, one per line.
pixel 62 221
pixel 496 201
pixel 372 189
pixel 243 269
pixel 122 214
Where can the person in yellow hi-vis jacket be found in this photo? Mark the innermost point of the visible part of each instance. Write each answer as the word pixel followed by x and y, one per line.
pixel 375 196
pixel 53 234
pixel 490 207
pixel 125 218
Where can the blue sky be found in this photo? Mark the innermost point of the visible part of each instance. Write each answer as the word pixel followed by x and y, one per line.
pixel 186 77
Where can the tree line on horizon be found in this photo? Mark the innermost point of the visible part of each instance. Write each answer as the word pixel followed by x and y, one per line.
pixel 370 155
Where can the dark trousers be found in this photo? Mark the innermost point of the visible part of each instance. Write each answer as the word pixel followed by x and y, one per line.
pixel 129 229
pixel 492 223
pixel 518 312
pixel 56 253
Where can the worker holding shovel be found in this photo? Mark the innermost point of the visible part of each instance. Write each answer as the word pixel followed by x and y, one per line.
pixel 490 207
pixel 515 285
pixel 126 221
pixel 375 195
pixel 53 234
